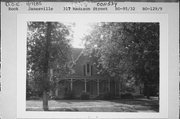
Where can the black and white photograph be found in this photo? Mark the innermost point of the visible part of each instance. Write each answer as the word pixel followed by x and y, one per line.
pixel 89 59
pixel 92 66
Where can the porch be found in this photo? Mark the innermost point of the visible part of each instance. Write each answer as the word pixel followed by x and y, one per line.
pixel 94 86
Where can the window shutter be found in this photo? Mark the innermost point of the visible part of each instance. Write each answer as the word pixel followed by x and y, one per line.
pixel 84 67
pixel 91 70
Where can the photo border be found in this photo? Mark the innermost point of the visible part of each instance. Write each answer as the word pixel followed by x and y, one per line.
pixel 22 20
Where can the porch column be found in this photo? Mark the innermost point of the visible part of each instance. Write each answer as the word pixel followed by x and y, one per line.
pixel 109 85
pixel 85 85
pixel 57 90
pixel 51 74
pixel 115 87
pixel 71 84
pixel 119 87
pixel 98 87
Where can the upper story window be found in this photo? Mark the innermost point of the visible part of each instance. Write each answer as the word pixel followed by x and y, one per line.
pixel 88 69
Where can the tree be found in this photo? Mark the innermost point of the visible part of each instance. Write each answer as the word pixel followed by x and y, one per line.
pixel 48 49
pixel 126 50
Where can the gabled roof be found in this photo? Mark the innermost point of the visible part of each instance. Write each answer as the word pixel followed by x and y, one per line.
pixel 76 53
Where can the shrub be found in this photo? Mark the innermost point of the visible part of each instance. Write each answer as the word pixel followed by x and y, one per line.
pixel 32 94
pixel 52 97
pixel 130 89
pixel 57 98
pixel 108 96
pixel 35 98
pixel 28 94
pixel 85 96
pixel 69 95
pixel 105 96
pixel 99 97
pixel 139 96
pixel 127 96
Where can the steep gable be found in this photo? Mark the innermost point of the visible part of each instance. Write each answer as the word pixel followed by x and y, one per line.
pixel 76 52
pixel 80 64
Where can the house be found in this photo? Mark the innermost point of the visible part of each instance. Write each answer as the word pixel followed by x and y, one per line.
pixel 85 78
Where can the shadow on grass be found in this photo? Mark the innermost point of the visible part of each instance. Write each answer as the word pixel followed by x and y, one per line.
pixel 139 104
pixel 118 105
pixel 76 100
pixel 64 109
pixel 54 109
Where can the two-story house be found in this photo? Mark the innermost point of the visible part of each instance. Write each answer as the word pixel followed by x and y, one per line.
pixel 84 78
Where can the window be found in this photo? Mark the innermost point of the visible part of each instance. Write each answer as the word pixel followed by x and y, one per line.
pixel 91 70
pixel 88 69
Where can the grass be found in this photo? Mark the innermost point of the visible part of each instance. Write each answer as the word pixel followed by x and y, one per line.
pixel 96 105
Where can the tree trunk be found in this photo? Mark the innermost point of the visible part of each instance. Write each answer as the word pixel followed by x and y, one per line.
pixel 46 67
pixel 119 82
pixel 45 101
pixel 148 92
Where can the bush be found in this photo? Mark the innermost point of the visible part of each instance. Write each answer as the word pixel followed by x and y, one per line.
pixel 99 97
pixel 52 97
pixel 105 96
pixel 32 94
pixel 34 98
pixel 57 98
pixel 138 96
pixel 85 96
pixel 108 96
pixel 69 95
pixel 127 96
pixel 28 94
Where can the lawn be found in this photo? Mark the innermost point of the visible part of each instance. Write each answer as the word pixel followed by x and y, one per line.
pixel 142 105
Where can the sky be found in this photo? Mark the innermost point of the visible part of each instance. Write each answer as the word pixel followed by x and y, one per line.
pixel 80 29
